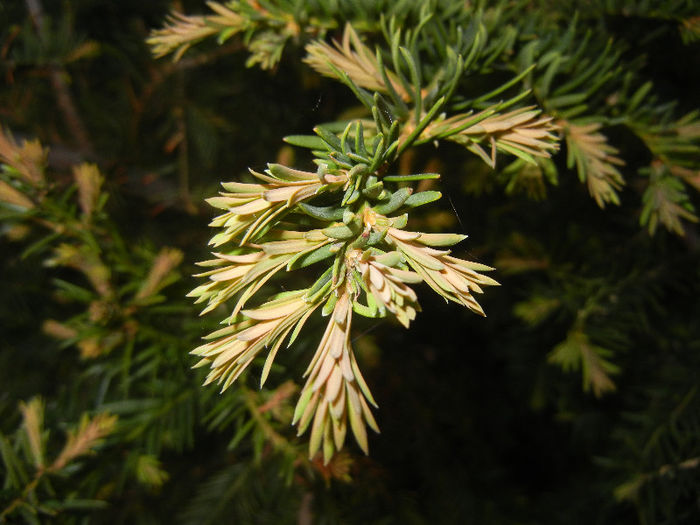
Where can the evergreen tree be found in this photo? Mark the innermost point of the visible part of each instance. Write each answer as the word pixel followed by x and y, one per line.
pixel 354 145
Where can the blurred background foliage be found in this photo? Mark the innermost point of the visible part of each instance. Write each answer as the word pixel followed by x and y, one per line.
pixel 575 401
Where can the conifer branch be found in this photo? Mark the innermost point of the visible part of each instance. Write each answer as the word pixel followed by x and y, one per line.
pixel 335 391
pixel 665 201
pixel 58 76
pixel 346 221
pixel 577 351
pixel 354 58
pixel 521 132
pixel 89 435
pixel 595 160
pixel 33 421
pixel 81 441
pixel 182 31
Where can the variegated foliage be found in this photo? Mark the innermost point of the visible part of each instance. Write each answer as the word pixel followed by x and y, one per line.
pixel 181 31
pixel 522 132
pixel 369 262
pixel 348 219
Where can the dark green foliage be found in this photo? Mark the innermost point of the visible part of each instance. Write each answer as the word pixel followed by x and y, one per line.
pixel 575 401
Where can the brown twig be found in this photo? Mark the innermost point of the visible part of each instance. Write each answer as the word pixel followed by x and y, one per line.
pixel 183 152
pixel 165 70
pixel 21 499
pixel 58 74
pixel 305 516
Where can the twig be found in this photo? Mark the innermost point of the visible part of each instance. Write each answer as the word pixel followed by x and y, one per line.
pixel 305 515
pixel 163 71
pixel 21 499
pixel 58 75
pixel 277 440
pixel 183 156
